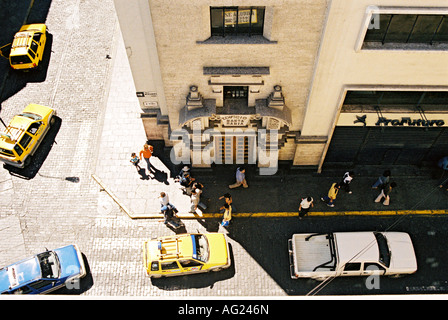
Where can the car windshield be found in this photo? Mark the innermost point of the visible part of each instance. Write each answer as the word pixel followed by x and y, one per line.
pixel 383 248
pixel 201 246
pixel 6 152
pixel 31 115
pixel 49 264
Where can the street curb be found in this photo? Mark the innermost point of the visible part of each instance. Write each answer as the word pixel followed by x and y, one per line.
pixel 266 214
pixel 319 214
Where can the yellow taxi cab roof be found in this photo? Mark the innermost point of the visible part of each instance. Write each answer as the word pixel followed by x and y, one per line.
pixel 22 39
pixel 171 247
pixel 19 124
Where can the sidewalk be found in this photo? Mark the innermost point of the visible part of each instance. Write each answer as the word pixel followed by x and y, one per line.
pixel 273 196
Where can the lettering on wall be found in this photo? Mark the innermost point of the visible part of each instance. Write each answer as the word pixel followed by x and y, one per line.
pixel 410 122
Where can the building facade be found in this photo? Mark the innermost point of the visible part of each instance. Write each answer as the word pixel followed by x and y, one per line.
pixel 310 82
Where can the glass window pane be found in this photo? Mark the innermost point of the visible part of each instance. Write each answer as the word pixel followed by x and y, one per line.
pixel 230 20
pixel 400 27
pixel 409 98
pixel 216 17
pixel 435 98
pixel 376 31
pixel 424 29
pixel 362 97
pixel 442 33
pixel 257 20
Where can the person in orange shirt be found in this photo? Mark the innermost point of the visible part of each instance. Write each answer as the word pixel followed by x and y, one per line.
pixel 146 153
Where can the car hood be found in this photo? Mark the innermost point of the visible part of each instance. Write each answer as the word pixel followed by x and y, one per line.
pixel 71 261
pixel 402 252
pixel 218 248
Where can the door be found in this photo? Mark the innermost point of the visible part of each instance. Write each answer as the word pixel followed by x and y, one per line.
pixel 169 267
pixel 373 268
pixel 352 269
pixel 238 149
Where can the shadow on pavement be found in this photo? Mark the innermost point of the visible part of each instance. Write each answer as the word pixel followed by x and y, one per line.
pixel 30 171
pixel 12 15
pixel 202 280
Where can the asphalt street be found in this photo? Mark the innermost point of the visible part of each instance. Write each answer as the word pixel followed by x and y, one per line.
pixel 57 201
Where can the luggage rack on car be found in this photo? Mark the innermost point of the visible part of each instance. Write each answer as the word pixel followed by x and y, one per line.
pixel 171 248
pixel 12 135
pixel 22 44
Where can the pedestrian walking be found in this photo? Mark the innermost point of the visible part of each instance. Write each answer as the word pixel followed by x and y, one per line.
pixel 228 200
pixel 165 202
pixel 382 180
pixel 227 215
pixel 385 193
pixel 346 180
pixel 135 161
pixel 331 196
pixel 240 178
pixel 187 183
pixel 195 196
pixel 146 153
pixel 185 169
pixel 305 206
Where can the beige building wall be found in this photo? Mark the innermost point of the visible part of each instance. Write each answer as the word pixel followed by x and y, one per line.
pixel 313 51
pixel 181 26
pixel 343 65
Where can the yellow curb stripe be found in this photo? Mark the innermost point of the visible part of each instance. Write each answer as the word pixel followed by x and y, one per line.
pixel 310 214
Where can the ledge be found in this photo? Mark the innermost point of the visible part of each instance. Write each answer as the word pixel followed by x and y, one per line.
pixel 237 39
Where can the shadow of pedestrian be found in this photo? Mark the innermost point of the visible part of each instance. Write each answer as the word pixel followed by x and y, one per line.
pixel 160 176
pixel 143 175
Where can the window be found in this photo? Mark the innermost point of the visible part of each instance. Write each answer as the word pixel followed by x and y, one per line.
pixel 169 265
pixel 237 21
pixel 189 263
pixel 408 28
pixel 437 100
pixel 49 264
pixel 25 141
pixel 373 267
pixel 34 127
pixel 37 36
pixel 34 46
pixel 6 152
pixel 18 150
pixel 352 266
pixel 20 59
pixel 41 284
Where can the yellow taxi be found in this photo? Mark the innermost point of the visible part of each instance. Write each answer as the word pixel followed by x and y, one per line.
pixel 185 254
pixel 27 49
pixel 24 133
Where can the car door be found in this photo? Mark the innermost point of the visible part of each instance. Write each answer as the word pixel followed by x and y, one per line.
pixel 169 267
pixel 40 40
pixel 26 142
pixel 43 285
pixel 373 268
pixel 190 265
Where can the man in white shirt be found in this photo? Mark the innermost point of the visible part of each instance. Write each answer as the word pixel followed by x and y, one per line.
pixel 346 179
pixel 305 206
